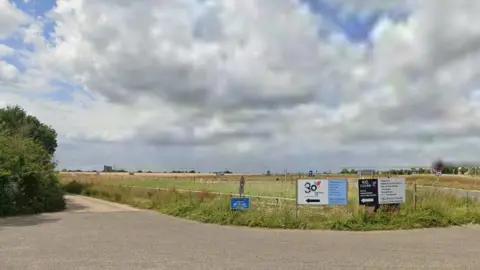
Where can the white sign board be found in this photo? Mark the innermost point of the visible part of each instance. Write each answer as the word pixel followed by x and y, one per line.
pixel 322 192
pixel 391 190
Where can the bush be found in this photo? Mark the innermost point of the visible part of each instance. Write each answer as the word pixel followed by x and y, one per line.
pixel 28 182
pixel 74 187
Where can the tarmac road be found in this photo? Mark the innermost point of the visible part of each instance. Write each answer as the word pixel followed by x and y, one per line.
pixel 95 234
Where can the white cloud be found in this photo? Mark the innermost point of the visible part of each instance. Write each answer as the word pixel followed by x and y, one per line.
pixel 6 51
pixel 253 84
pixel 8 73
pixel 10 18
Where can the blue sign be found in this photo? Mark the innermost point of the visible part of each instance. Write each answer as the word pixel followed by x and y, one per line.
pixel 337 191
pixel 240 203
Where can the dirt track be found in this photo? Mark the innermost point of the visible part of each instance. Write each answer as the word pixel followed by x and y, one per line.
pixel 95 234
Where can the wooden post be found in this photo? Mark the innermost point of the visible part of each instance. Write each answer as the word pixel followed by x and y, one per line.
pixel 467 200
pixel 475 179
pixel 296 200
pixel 415 195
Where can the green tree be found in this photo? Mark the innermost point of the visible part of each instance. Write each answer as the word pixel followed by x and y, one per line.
pixel 15 121
pixel 28 182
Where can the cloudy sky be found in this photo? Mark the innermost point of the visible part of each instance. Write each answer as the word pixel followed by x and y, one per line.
pixel 247 85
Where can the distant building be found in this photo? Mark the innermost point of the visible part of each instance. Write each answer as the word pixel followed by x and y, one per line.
pixel 366 172
pixel 107 168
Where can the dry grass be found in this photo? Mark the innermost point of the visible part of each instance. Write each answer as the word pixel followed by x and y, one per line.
pixel 451 181
pixel 196 176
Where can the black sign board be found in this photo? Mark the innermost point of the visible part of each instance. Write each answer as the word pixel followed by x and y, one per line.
pixel 368 191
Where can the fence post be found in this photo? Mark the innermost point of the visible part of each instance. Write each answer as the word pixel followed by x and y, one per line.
pixel 415 195
pixel 467 200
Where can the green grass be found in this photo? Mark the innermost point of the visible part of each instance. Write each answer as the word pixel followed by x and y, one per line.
pixel 254 188
pixel 272 189
pixel 433 209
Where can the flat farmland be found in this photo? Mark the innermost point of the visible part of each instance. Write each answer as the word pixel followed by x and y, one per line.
pixel 256 184
pixel 449 181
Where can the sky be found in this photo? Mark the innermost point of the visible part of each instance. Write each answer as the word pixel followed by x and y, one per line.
pixel 247 86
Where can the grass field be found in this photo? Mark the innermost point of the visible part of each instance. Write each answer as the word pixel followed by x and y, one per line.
pixel 431 209
pixel 260 185
pixel 256 184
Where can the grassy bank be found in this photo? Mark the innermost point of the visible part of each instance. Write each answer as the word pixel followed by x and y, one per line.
pixel 432 210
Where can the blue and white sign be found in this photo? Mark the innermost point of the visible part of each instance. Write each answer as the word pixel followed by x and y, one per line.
pixel 240 203
pixel 322 191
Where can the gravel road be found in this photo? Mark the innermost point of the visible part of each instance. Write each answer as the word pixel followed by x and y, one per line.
pixel 95 234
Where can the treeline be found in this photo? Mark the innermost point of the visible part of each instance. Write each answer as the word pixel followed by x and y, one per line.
pixel 28 181
pixel 141 171
pixel 446 170
pixel 393 171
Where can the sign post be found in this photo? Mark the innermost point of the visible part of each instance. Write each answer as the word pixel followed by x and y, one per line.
pixel 241 188
pixel 437 169
pixel 322 192
pixel 384 191
pixel 241 203
pixel 368 191
pixel 438 173
pixel 391 191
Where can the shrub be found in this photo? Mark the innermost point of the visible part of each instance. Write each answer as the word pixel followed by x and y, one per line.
pixel 28 182
pixel 74 187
